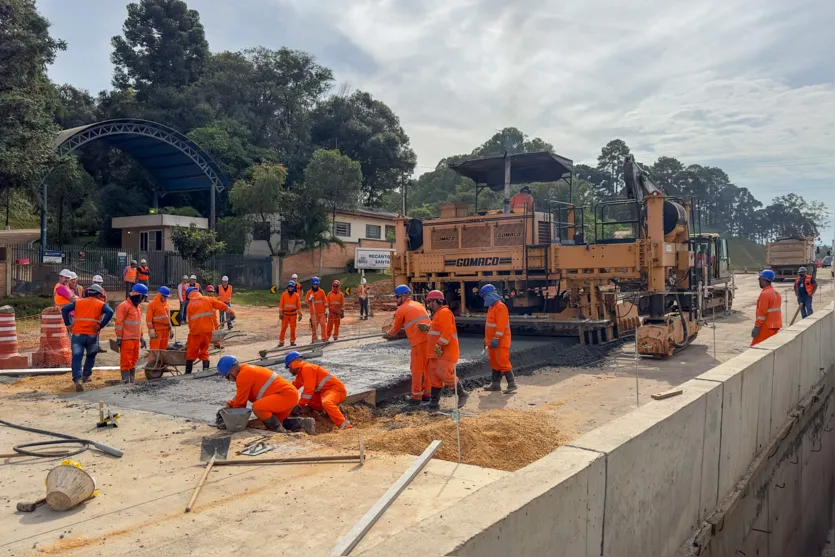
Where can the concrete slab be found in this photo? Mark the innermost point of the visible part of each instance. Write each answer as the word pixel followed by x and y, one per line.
pixel 653 472
pixel 810 352
pixel 786 380
pixel 827 336
pixel 708 499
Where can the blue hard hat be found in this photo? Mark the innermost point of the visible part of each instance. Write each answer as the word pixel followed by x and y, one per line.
pixel 164 291
pixel 291 357
pixel 768 275
pixel 291 283
pixel 314 280
pixel 486 289
pixel 140 289
pixel 225 363
pixel 190 290
pixel 401 289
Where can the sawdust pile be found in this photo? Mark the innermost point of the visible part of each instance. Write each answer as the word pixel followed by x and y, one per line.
pixel 501 439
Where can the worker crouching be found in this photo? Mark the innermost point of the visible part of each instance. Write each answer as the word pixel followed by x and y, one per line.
pixel 129 332
pixel 412 317
pixel 769 318
pixel 321 390
pixel 273 398
pixel 443 350
pixel 497 339
pixel 200 313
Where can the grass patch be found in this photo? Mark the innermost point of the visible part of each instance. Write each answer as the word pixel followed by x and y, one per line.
pixel 24 306
pixel 266 298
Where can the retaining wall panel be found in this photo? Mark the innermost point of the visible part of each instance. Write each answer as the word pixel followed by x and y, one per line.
pixel 810 362
pixel 784 501
pixel 786 381
pixel 710 454
pixel 817 481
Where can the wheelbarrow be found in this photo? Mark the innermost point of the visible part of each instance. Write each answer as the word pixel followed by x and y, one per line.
pixel 162 361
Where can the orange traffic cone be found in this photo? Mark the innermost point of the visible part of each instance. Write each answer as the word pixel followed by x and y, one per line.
pixel 10 358
pixel 55 348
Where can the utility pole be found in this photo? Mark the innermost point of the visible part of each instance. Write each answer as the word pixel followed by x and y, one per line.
pixel 403 192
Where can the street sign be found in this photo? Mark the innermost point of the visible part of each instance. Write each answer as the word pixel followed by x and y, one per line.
pixel 53 256
pixel 368 258
pixel 273 289
pixel 175 317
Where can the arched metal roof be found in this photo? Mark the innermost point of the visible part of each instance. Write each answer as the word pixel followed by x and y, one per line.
pixel 177 163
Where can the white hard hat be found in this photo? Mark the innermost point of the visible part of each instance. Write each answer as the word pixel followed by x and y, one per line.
pixel 96 288
pixel 143 261
pixel 97 278
pixel 363 280
pixel 193 277
pixel 66 273
pixel 185 277
pixel 295 276
pixel 224 278
pixel 73 276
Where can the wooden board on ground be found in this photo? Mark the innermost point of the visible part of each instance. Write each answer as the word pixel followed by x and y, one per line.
pixel 667 394
pixel 368 397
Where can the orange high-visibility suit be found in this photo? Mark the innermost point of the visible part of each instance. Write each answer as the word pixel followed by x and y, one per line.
pixel 336 305
pixel 316 302
pixel 201 325
pixel 322 391
pixel 769 316
pixel 289 307
pixel 157 318
pixel 408 315
pixel 268 392
pixel 522 202
pixel 444 334
pixel 498 326
pixel 129 329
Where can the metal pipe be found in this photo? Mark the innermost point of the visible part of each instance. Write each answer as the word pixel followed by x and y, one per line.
pixel 290 460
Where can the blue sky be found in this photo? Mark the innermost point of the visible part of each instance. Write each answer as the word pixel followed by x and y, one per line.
pixel 746 85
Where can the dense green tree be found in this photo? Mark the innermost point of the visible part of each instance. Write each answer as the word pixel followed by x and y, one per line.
pixel 262 200
pixel 333 178
pixel 610 161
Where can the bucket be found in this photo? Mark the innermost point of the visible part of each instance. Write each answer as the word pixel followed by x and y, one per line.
pixel 235 419
pixel 67 486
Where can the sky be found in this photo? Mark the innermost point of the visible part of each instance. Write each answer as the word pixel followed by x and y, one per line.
pixel 746 85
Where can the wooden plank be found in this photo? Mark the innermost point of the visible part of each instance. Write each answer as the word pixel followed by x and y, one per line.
pixel 368 397
pixel 667 394
pixel 290 460
pixel 361 528
pixel 51 371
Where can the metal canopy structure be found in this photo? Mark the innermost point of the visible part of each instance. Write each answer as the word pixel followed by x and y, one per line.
pixel 177 164
pixel 525 168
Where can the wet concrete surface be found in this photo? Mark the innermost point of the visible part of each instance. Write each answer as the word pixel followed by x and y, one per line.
pixel 383 366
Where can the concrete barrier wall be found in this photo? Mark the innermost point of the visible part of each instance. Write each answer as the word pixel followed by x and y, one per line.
pixel 742 461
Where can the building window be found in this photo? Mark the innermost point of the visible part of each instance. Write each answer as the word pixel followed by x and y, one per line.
pixel 342 229
pixel 261 231
pixel 150 240
pixel 391 235
pixel 372 231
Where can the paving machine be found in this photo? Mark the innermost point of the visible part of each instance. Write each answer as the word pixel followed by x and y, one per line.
pixel 637 271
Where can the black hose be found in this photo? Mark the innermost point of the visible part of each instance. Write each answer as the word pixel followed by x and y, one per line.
pixel 21 449
pixel 683 324
pixel 66 439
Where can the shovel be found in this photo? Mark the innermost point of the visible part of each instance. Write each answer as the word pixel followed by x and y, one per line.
pixel 211 449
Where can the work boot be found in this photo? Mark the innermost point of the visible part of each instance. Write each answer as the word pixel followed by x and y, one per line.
pixel 79 385
pixel 308 425
pixel 413 401
pixel 511 383
pixel 230 325
pixel 292 343
pixel 495 381
pixel 435 401
pixel 280 344
pixel 462 395
pixel 86 378
pixel 335 339
pixel 205 365
pixel 292 425
pixel 273 424
pixel 125 377
pixel 189 366
pixel 132 376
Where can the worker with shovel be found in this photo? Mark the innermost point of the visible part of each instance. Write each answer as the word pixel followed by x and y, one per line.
pixel 769 319
pixel 321 389
pixel 497 339
pixel 200 313
pixel 272 396
pixel 129 332
pixel 91 315
pixel 412 317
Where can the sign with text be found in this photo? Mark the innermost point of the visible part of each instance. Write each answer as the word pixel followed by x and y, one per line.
pixel 367 258
pixel 51 256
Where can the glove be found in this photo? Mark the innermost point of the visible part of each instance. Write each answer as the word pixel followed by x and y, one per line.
pixel 281 316
pixel 422 327
pixel 219 420
pixel 97 328
pixel 119 342
pixel 295 411
pixel 438 350
pixel 152 334
pixel 342 315
pixel 142 343
pixel 754 332
pixel 494 343
pixel 386 336
pixel 300 317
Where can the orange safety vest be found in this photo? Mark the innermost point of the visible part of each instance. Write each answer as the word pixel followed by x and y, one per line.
pixel 810 288
pixel 407 317
pixel 314 379
pixel 769 315
pixel 255 382
pixel 130 274
pixel 316 300
pixel 201 313
pixel 289 304
pixel 224 294
pixel 522 201
pixel 57 299
pixel 181 291
pixel 87 316
pixel 362 292
pixel 144 273
pixel 128 321
pixel 336 302
pixel 158 316
pixel 444 333
pixel 497 325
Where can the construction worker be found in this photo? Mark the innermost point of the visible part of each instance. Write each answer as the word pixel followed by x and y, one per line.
pixel 129 275
pixel 299 289
pixel 272 396
pixel 805 287
pixel 143 273
pixel 362 294
pixel 200 314
pixel 316 301
pixel 289 312
pixel 61 293
pixel 336 310
pixel 75 288
pixel 181 290
pixel 91 315
pixel 100 281
pixel 192 283
pixel 321 390
pixel 443 351
pixel 158 320
pixel 769 317
pixel 523 201
pixel 497 339
pixel 224 294
pixel 412 316
pixel 129 332
pixel 210 293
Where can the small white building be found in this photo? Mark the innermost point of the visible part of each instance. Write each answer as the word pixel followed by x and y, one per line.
pixel 152 233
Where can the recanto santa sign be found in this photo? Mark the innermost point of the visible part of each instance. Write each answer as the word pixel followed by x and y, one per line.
pixel 366 258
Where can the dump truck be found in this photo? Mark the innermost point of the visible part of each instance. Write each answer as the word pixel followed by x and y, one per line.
pixel 785 256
